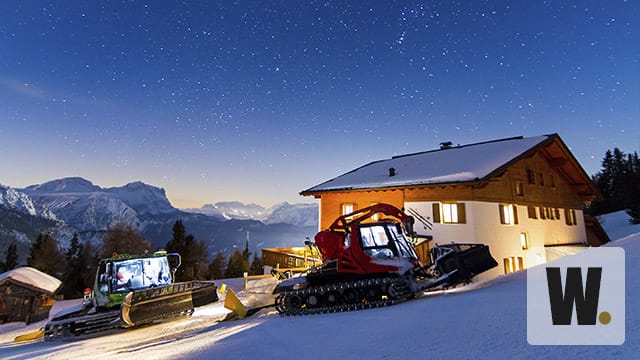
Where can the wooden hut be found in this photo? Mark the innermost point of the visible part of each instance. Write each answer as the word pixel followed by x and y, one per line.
pixel 26 294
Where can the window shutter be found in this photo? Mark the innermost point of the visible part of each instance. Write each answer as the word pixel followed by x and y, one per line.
pixel 436 212
pixel 462 217
pixel 501 211
pixel 515 214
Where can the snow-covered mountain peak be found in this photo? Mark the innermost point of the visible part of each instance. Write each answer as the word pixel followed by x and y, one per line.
pixel 143 197
pixel 65 185
pixel 89 207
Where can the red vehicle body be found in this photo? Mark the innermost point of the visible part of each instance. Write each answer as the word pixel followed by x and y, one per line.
pixel 352 242
pixel 368 261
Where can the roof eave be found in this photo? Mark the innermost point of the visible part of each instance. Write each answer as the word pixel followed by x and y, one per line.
pixel 395 187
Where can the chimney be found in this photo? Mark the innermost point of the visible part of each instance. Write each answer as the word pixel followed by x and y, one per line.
pixel 446 145
pixel 392 172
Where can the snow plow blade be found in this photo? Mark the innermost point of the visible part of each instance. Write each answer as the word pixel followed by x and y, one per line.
pixel 143 306
pixel 231 302
pixel 238 309
pixel 34 335
pixel 461 262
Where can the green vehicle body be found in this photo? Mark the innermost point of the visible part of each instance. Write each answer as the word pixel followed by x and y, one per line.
pixel 121 274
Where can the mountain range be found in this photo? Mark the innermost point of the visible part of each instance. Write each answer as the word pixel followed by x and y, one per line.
pixel 298 214
pixel 76 205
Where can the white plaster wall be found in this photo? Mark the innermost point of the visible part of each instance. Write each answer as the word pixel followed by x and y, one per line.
pixel 483 226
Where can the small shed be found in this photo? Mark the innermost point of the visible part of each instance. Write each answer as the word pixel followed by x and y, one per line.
pixel 291 257
pixel 26 294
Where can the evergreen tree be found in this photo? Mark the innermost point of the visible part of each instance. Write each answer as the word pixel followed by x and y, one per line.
pixel 45 256
pixel 217 267
pixel 192 251
pixel 72 276
pixel 124 239
pixel 256 265
pixel 236 266
pixel 177 243
pixel 190 259
pixel 89 260
pixel 619 184
pixel 201 257
pixel 246 253
pixel 11 260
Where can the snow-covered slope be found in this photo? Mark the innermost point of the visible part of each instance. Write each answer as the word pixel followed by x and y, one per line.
pixel 486 321
pixel 19 201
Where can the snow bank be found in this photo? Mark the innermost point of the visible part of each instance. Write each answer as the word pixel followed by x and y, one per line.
pixel 486 320
pixel 617 224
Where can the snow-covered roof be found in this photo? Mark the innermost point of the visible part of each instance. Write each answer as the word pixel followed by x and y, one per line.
pixel 456 164
pixel 32 277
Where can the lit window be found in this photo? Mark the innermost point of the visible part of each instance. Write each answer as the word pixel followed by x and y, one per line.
pixel 570 217
pixel 508 214
pixel 348 208
pixel 450 213
pixel 513 264
pixel 524 241
pixel 546 213
pixel 519 188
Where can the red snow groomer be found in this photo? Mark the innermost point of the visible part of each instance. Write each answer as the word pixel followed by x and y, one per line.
pixel 370 263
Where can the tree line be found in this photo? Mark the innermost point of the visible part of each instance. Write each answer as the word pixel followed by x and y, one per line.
pixel 619 184
pixel 76 265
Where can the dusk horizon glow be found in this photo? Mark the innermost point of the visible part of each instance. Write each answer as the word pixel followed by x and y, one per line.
pixel 255 101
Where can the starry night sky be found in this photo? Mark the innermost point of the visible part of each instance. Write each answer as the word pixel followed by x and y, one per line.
pixel 258 100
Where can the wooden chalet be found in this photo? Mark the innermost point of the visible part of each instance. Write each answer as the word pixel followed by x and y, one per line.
pixel 521 196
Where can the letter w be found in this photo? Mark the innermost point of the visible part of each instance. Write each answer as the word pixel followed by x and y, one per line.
pixel 586 301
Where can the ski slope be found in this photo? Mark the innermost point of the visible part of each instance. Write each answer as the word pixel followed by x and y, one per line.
pixel 481 321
